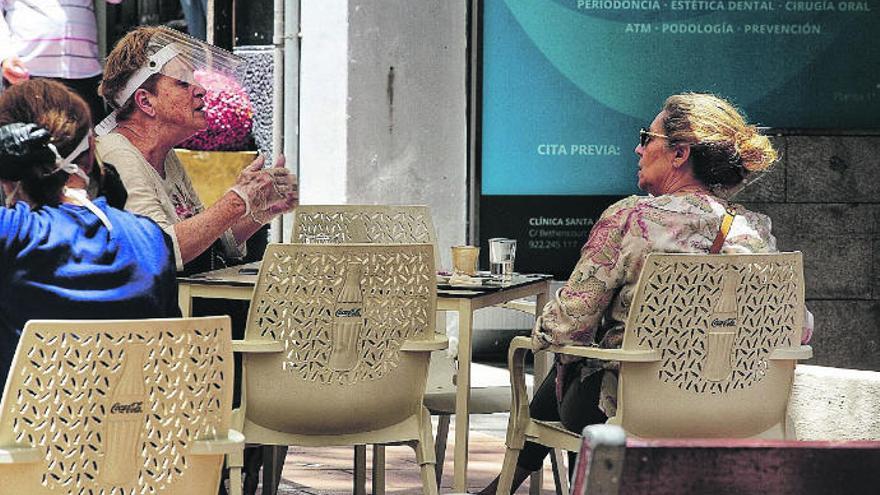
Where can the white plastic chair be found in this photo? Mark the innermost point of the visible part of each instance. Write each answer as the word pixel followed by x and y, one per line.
pixel 118 406
pixel 401 224
pixel 709 350
pixel 337 347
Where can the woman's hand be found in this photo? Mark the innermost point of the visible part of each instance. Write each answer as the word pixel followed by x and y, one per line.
pixel 540 340
pixel 15 71
pixel 266 191
pixel 285 195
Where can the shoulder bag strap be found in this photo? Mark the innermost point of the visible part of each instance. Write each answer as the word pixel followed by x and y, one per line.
pixel 726 222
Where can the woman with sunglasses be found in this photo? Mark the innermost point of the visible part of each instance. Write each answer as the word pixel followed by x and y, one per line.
pixel 65 254
pixel 697 151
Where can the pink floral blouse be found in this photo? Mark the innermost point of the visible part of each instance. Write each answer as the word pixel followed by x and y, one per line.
pixel 600 288
pixel 591 308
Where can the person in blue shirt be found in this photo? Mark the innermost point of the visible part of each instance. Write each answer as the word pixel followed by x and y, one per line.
pixel 62 254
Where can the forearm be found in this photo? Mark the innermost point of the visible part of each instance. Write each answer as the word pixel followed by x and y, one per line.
pixel 572 317
pixel 197 233
pixel 244 228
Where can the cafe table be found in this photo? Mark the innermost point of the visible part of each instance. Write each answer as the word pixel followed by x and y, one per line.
pixel 238 283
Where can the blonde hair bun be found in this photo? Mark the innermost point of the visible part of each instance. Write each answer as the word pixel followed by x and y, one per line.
pixel 755 150
pixel 725 149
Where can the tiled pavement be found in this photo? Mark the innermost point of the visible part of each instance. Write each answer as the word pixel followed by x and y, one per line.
pixel 326 471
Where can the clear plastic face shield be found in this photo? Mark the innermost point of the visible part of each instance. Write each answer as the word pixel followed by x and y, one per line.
pixel 178 56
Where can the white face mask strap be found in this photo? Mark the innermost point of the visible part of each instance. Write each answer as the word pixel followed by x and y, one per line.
pixel 10 200
pixel 81 197
pixel 66 163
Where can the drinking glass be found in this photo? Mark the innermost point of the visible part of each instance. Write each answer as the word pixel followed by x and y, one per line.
pixel 464 259
pixel 502 252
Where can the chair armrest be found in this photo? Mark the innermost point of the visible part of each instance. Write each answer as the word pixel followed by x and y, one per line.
pixel 519 398
pixel 438 342
pixel 521 305
pixel 257 346
pixel 20 455
pixel 789 353
pixel 633 356
pixel 234 442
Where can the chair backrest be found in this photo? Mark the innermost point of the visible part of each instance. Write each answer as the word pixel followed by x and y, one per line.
pixel 717 321
pixel 609 464
pixel 368 224
pixel 343 312
pixel 117 406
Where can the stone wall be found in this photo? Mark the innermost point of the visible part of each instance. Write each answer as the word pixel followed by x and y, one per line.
pixel 824 200
pixel 258 77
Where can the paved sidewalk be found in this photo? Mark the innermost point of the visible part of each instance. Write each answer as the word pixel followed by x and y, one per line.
pixel 328 471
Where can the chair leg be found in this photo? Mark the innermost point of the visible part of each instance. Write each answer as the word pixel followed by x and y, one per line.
pixel 425 455
pixel 235 462
pixel 378 469
pixel 440 443
pixel 429 479
pixel 360 470
pixel 273 461
pixel 560 473
pixel 508 468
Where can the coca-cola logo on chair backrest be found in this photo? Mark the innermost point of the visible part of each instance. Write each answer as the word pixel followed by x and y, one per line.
pixel 131 408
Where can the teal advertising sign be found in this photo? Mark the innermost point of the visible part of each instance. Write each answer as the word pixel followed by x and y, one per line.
pixel 566 84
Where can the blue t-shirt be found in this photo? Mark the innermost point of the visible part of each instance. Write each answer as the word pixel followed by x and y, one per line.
pixel 62 263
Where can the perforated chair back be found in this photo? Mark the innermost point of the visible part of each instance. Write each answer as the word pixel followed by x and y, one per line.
pixel 367 224
pixel 389 224
pixel 723 325
pixel 118 406
pixel 709 350
pixel 346 316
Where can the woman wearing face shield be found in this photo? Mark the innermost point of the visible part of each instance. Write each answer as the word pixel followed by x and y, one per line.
pixel 64 254
pixel 149 81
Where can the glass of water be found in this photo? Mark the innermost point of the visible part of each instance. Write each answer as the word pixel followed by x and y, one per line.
pixel 502 252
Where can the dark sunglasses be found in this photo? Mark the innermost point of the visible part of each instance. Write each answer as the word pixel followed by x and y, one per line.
pixel 645 136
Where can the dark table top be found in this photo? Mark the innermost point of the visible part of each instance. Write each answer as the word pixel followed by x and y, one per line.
pixel 246 275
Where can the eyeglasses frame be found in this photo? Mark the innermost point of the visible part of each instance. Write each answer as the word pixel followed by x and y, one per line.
pixel 645 136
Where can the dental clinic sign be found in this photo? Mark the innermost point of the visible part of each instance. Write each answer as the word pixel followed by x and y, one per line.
pixel 566 84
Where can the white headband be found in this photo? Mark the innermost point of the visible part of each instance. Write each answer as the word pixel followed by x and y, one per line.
pixel 155 63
